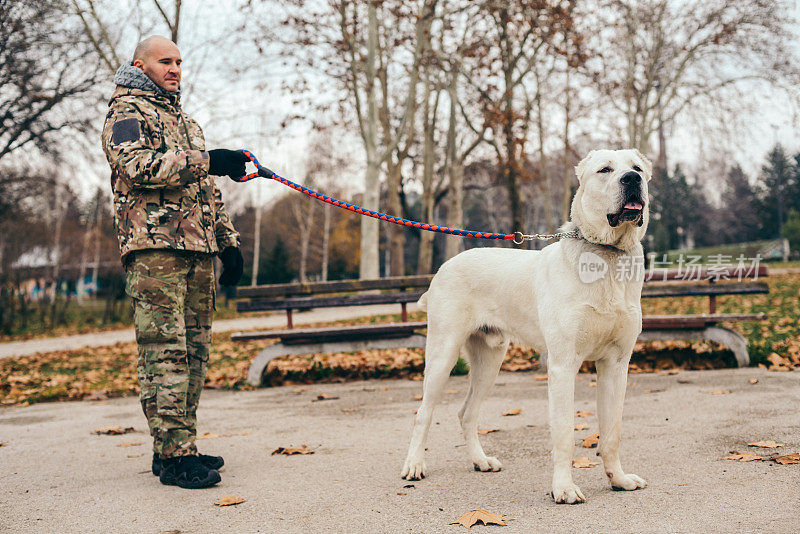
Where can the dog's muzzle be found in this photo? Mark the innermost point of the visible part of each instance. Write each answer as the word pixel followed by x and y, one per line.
pixel 632 209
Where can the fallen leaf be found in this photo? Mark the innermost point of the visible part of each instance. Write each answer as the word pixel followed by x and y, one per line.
pixel 719 392
pixel 590 442
pixel 584 463
pixel 793 458
pixel 515 411
pixel 754 380
pixel 3 443
pixel 409 486
pixel 113 430
pixel 450 391
pixel 653 390
pixel 130 444
pixel 668 372
pixel 417 397
pixel 778 360
pixel 349 410
pixel 402 493
pixel 229 501
pixel 209 435
pixel 581 426
pixel 581 413
pixel 487 431
pixel 323 396
pixel 540 377
pixel 592 384
pixel 479 516
pixel 289 451
pixel 299 390
pixel 768 444
pixel 742 456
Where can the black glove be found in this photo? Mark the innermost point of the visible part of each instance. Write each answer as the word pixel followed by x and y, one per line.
pixel 223 162
pixel 232 266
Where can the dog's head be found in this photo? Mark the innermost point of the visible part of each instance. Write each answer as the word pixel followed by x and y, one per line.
pixel 611 206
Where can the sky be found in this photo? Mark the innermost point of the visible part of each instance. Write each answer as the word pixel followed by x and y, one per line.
pixel 234 114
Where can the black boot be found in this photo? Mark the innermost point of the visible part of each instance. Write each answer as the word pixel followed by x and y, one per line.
pixel 187 472
pixel 211 462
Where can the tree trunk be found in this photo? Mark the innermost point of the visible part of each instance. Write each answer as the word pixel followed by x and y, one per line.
pixel 566 199
pixel 326 231
pixel 397 233
pixel 425 257
pixel 256 243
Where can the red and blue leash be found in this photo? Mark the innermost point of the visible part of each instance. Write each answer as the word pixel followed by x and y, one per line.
pixel 516 237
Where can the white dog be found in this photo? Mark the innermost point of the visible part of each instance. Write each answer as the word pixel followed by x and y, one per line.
pixel 575 300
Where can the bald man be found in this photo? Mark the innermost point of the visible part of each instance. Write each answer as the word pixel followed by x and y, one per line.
pixel 170 222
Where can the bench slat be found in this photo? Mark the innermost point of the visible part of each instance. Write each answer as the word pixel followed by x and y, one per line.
pixel 338 286
pixel 299 303
pixel 674 322
pixel 696 274
pixel 744 288
pixel 317 335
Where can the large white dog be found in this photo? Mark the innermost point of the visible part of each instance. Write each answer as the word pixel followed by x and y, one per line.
pixel 575 300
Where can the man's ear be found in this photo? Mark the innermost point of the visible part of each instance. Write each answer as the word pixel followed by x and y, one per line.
pixel 138 63
pixel 648 165
pixel 581 167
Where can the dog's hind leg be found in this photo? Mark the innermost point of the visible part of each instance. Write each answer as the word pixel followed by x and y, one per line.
pixel 486 354
pixel 440 356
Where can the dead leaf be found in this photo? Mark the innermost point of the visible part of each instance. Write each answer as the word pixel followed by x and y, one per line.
pixel 719 392
pixel 515 411
pixel 487 431
pixel 540 377
pixel 590 442
pixel 581 413
pixel 592 384
pixel 113 430
pixel 3 443
pixel 323 396
pixel 209 435
pixel 229 501
pixel 479 516
pixel 287 451
pixel 754 380
pixel 668 372
pixel 768 444
pixel 742 457
pixel 584 463
pixel 581 426
pixel 793 458
pixel 653 390
pixel 417 397
pixel 349 410
pixel 130 444
pixel 402 493
pixel 450 391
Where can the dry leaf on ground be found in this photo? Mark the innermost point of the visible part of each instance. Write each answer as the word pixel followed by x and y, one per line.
pixel 479 516
pixel 719 392
pixel 581 413
pixel 113 430
pixel 590 442
pixel 743 457
pixel 584 463
pixel 130 444
pixel 323 396
pixel 581 426
pixel 485 431
pixel 668 372
pixel 540 377
pixel 287 451
pixel 515 411
pixel 3 443
pixel 793 458
pixel 768 444
pixel 209 435
pixel 754 380
pixel 450 391
pixel 417 397
pixel 229 500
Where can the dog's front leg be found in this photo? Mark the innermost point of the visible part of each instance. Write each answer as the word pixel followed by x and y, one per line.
pixel 612 377
pixel 561 399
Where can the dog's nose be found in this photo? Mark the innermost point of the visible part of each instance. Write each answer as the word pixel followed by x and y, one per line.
pixel 630 178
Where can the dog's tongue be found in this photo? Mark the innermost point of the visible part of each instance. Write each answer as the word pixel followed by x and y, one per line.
pixel 633 206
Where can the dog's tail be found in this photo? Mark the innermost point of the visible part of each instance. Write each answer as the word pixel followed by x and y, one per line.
pixel 422 303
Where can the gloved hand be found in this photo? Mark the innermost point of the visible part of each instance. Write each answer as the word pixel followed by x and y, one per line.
pixel 232 266
pixel 223 162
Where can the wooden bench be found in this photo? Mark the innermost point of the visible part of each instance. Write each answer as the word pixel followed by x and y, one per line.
pixel 402 290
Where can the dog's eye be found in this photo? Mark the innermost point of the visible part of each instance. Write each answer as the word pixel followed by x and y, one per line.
pixel 606 169
pixel 636 168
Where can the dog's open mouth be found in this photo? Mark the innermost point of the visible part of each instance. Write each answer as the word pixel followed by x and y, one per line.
pixel 632 211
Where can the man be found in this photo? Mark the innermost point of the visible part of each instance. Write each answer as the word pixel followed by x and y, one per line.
pixel 170 223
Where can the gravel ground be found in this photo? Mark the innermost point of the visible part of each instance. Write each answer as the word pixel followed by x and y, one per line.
pixel 56 476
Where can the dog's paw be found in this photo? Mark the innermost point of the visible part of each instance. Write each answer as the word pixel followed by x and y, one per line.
pixel 487 463
pixel 568 494
pixel 628 482
pixel 414 470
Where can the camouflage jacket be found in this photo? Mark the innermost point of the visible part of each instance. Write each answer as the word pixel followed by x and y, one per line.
pixel 164 197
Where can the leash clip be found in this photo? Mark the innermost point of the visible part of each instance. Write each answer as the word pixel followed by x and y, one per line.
pixel 520 238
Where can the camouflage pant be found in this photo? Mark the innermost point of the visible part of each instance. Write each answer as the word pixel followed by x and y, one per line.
pixel 173 303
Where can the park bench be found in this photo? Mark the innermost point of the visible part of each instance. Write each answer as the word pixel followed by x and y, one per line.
pixel 402 290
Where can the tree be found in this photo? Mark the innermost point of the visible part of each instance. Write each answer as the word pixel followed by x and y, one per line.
pixel 740 220
pixel 44 71
pixel 778 176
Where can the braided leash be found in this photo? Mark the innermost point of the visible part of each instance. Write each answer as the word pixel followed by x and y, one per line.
pixel 516 237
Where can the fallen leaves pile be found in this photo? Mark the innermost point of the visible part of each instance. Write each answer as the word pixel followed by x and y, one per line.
pixel 105 372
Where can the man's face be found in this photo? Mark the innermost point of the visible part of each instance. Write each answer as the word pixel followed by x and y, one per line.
pixel 162 64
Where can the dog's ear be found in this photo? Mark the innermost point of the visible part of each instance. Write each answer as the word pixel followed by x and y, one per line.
pixel 648 165
pixel 581 167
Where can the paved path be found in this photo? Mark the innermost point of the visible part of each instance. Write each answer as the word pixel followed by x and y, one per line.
pixel 101 339
pixel 55 476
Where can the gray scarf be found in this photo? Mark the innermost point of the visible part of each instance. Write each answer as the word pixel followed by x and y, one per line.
pixel 133 77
